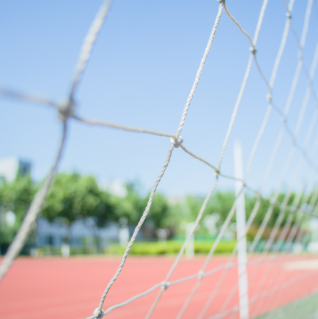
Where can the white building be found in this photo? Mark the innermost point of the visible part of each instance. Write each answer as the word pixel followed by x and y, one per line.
pixel 55 233
pixel 11 166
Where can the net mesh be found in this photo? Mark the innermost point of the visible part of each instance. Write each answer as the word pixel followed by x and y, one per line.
pixel 265 268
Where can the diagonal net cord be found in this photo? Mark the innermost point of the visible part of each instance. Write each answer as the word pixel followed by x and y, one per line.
pixel 299 120
pixel 267 293
pixel 297 198
pixel 88 45
pixel 65 110
pixel 287 195
pixel 288 223
pixel 221 279
pixel 31 215
pixel 274 72
pixel 256 297
pixel 220 160
pixel 292 234
pixel 300 43
pixel 200 274
pixel 300 65
pixel 98 312
pixel 310 129
pixel 283 114
pixel 269 244
pixel 282 236
pixel 122 127
pixel 247 72
pixel 287 248
pixel 131 129
pixel 27 98
pixel 297 224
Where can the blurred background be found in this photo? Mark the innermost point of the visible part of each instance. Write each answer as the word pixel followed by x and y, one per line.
pixel 140 73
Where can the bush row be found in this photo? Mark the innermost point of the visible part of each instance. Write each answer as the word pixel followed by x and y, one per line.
pixel 169 248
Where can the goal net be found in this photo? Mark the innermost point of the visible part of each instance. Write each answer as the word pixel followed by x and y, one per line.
pixel 270 273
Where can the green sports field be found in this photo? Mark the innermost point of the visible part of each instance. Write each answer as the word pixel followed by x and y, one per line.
pixel 304 308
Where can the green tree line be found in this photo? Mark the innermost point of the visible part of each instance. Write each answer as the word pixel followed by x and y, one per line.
pixel 75 197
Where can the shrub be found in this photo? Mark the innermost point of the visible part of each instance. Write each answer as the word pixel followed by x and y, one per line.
pixel 169 248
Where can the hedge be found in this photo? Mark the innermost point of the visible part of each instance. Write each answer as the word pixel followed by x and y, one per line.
pixel 169 248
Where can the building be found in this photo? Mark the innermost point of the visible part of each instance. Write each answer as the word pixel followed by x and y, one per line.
pixel 56 233
pixel 10 167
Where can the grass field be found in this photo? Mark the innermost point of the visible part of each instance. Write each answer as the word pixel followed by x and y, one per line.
pixel 304 308
pixel 71 288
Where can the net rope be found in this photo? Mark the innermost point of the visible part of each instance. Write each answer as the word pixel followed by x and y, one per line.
pixel 297 215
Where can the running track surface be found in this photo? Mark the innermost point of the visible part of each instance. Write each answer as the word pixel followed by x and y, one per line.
pixel 71 288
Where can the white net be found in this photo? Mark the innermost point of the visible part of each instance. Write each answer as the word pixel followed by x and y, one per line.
pixel 265 269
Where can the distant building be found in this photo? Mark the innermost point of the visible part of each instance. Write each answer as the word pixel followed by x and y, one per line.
pixel 10 167
pixel 54 234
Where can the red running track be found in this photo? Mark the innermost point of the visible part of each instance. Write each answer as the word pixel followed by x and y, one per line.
pixel 71 288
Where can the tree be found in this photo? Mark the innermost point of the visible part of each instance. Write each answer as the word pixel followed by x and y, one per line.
pixel 16 197
pixel 72 197
pixel 131 206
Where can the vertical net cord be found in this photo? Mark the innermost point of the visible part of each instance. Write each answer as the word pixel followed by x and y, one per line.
pixel 32 213
pixel 98 313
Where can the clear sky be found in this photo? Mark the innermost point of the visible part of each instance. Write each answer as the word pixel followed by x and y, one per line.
pixel 140 74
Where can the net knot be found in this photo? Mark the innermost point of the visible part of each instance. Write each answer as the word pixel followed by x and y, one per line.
pixel 216 172
pixel 300 55
pixel 176 141
pixel 229 265
pixel 288 15
pixel 269 97
pixel 200 274
pixel 253 50
pixel 165 285
pixel 98 313
pixel 66 109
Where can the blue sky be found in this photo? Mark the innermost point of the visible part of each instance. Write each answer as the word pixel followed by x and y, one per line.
pixel 140 74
